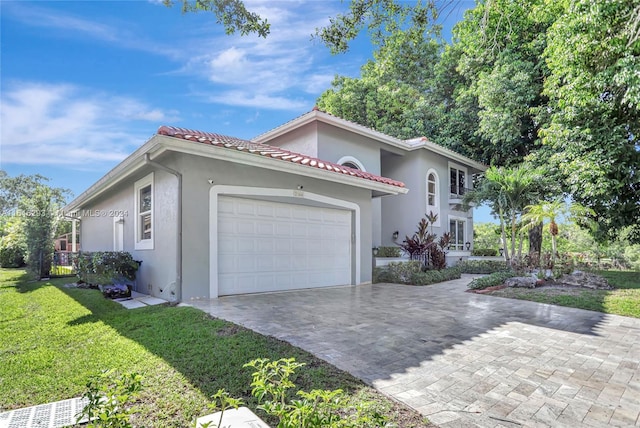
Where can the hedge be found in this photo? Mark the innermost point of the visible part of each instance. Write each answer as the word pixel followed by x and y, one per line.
pixel 497 278
pixel 411 273
pixel 482 266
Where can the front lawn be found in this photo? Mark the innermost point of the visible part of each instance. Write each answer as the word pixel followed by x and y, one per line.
pixel 54 338
pixel 624 300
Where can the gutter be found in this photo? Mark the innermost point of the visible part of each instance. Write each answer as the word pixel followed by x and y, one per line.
pixel 148 161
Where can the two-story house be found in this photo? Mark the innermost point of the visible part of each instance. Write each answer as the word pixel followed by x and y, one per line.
pixel 299 206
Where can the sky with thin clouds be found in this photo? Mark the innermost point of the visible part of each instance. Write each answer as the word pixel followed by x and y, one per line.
pixel 84 83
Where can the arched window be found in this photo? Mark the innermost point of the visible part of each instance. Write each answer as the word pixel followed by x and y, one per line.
pixel 433 195
pixel 351 162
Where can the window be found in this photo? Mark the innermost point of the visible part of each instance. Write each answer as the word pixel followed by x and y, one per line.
pixel 433 195
pixel 456 232
pixel 351 162
pixel 457 178
pixel 144 213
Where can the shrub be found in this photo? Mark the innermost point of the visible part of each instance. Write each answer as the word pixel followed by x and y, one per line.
pixel 484 252
pixel 435 276
pixel 109 396
pixel 272 385
pixel 482 266
pixel 397 272
pixel 388 252
pixel 11 254
pixel 424 247
pixel 496 278
pixel 102 267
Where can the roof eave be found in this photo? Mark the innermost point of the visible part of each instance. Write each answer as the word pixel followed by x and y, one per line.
pixel 159 144
pixel 366 132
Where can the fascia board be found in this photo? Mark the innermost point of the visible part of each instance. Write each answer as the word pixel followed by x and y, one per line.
pixel 119 173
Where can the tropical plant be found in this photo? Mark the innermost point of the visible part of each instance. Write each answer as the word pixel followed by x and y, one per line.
pixel 108 395
pixel 507 191
pixel 425 247
pixel 551 211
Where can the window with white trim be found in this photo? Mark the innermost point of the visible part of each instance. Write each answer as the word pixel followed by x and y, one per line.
pixel 457 228
pixel 351 162
pixel 144 213
pixel 433 195
pixel 457 179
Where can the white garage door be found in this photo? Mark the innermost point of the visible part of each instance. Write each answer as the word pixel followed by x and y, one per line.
pixel 273 246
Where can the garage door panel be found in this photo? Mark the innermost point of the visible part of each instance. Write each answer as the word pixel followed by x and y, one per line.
pixel 272 246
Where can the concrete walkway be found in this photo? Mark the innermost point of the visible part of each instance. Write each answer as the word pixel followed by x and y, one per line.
pixel 462 359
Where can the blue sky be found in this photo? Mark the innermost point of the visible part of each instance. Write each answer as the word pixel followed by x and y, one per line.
pixel 84 83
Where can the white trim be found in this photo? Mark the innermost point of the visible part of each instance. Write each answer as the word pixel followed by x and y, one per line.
pixel 435 208
pixel 143 244
pixel 459 168
pixel 217 190
pixel 118 233
pixel 408 145
pixel 466 232
pixel 353 160
pixel 159 144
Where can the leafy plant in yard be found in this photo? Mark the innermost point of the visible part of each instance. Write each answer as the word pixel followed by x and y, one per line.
pixel 388 252
pixel 435 276
pixel 425 246
pixel 104 266
pixel 481 266
pixel 497 278
pixel 271 382
pixel 108 396
pixel 222 401
pixel 397 272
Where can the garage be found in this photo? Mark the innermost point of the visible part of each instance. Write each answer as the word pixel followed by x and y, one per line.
pixel 266 245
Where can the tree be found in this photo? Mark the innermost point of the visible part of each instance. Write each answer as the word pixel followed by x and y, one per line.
pixel 551 211
pixel 232 14
pixel 32 207
pixel 392 94
pixel 592 133
pixel 507 191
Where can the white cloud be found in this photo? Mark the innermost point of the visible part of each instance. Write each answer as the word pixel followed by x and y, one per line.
pixel 59 124
pixel 252 70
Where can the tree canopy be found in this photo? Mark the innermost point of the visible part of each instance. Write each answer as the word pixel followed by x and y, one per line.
pixel 553 83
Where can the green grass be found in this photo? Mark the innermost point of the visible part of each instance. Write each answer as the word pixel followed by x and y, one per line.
pixel 623 300
pixel 54 338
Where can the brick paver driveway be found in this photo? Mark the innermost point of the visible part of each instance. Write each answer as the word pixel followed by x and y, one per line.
pixel 462 359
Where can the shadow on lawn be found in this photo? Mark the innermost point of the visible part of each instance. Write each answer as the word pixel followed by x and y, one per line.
pixel 209 352
pixel 22 281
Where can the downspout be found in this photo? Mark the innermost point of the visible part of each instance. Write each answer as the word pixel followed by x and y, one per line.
pixel 148 161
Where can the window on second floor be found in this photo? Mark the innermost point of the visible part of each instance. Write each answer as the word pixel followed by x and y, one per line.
pixel 433 195
pixel 457 180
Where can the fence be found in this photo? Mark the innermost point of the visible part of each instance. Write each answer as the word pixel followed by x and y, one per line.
pixel 62 264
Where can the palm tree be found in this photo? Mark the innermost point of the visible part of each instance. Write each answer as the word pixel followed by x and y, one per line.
pixel 507 191
pixel 551 211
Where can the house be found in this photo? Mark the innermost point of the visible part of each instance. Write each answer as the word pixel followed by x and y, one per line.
pixel 300 206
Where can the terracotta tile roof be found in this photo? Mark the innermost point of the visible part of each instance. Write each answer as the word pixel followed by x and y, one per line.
pixel 258 149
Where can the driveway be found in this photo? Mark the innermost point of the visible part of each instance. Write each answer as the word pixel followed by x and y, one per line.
pixel 462 359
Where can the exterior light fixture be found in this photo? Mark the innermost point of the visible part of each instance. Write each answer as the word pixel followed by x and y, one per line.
pixel 395 235
pixel 375 251
pixel 468 245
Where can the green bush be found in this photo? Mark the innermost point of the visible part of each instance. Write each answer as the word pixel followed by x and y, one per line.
pixel 397 272
pixel 411 273
pixel 496 278
pixel 102 267
pixel 388 252
pixel 272 386
pixel 11 255
pixel 482 266
pixel 435 276
pixel 484 252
